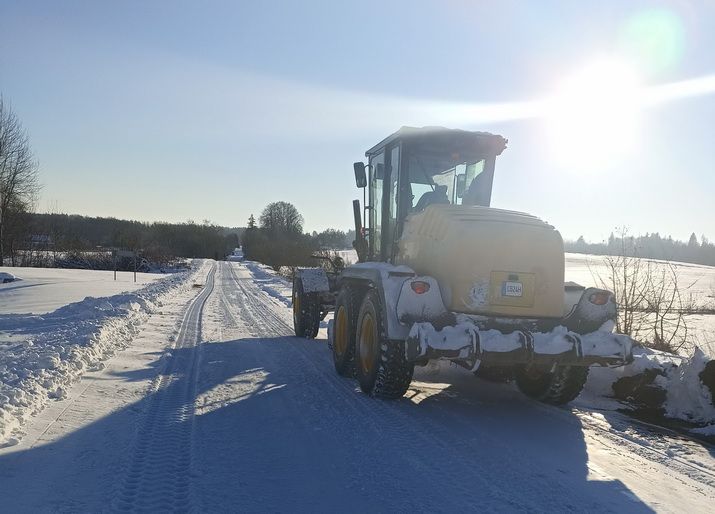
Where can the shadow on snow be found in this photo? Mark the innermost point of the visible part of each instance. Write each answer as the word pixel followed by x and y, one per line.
pixel 276 430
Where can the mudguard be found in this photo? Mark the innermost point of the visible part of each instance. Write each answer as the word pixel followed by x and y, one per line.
pixel 401 306
pixel 315 280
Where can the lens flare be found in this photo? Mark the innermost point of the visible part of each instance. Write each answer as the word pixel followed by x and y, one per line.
pixel 655 38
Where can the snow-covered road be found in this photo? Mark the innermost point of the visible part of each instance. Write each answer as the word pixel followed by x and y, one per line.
pixel 238 416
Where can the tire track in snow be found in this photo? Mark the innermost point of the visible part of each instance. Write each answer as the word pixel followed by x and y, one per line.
pixel 643 446
pixel 424 443
pixel 428 439
pixel 158 477
pixel 313 385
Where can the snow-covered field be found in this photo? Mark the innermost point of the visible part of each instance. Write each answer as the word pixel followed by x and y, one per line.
pixel 700 280
pixel 585 269
pixel 696 280
pixel 214 407
pixel 43 290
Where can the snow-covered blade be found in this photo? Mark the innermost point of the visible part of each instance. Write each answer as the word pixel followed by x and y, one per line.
pixel 467 344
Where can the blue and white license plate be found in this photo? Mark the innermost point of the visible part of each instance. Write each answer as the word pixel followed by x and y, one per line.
pixel 514 289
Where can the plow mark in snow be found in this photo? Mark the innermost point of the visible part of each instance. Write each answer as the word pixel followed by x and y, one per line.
pixel 469 440
pixel 158 476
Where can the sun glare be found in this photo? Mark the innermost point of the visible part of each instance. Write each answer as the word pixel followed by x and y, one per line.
pixel 594 114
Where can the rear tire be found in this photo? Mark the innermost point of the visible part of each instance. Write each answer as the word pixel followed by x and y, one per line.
pixel 306 311
pixel 556 388
pixel 344 325
pixel 381 367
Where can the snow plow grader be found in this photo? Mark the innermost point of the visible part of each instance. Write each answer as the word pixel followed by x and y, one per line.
pixel 443 275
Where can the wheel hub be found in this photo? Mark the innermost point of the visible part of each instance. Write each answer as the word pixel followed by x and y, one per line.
pixel 368 343
pixel 341 331
pixel 296 307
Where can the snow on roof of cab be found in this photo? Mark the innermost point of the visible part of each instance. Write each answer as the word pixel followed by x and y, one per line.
pixel 409 132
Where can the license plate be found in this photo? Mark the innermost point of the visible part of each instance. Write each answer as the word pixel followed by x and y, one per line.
pixel 515 289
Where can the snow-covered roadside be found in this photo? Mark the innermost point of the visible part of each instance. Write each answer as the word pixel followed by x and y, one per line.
pixel 42 355
pixel 659 382
pixel 270 282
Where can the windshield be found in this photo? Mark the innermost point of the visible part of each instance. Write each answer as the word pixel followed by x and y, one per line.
pixel 436 179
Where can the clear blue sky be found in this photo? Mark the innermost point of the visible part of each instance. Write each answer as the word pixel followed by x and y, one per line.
pixel 210 110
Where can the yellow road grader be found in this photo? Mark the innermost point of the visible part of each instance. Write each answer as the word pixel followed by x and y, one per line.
pixel 443 275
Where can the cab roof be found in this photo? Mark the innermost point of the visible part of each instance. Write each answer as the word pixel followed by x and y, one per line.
pixel 436 134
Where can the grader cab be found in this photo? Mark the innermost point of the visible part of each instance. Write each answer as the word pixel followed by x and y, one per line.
pixel 443 275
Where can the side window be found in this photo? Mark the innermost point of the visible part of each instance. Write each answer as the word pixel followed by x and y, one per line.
pixel 377 178
pixel 476 185
pixel 391 225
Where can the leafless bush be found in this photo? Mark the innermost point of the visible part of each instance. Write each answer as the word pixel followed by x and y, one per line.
pixel 652 301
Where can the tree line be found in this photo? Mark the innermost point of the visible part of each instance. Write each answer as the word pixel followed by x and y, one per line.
pixel 31 239
pixel 52 235
pixel 277 239
pixel 649 246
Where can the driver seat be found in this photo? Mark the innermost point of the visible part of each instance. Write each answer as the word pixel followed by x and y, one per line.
pixel 438 196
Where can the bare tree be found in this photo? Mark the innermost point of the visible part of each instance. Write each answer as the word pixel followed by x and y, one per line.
pixel 19 183
pixel 627 278
pixel 667 307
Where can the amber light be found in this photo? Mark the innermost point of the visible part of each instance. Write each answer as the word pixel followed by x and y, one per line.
pixel 419 287
pixel 600 298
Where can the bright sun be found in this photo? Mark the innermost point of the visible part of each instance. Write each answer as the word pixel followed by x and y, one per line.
pixel 594 115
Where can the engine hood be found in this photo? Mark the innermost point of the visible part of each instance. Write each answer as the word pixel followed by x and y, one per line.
pixel 487 261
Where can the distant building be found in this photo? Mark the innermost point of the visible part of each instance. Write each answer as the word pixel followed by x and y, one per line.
pixel 41 241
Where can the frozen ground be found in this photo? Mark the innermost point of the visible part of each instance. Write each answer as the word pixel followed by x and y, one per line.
pixel 43 290
pixel 215 407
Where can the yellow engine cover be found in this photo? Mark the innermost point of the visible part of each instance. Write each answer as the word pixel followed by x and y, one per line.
pixel 487 261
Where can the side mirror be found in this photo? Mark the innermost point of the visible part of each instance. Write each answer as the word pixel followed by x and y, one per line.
pixel 461 185
pixel 360 178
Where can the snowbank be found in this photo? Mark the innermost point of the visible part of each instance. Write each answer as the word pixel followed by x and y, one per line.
pixel 687 396
pixel 42 355
pixel 658 380
pixel 270 282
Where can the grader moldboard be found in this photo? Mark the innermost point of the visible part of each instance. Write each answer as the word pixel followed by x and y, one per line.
pixel 443 275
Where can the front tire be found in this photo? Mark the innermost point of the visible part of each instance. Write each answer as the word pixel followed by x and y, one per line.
pixel 306 311
pixel 561 386
pixel 381 367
